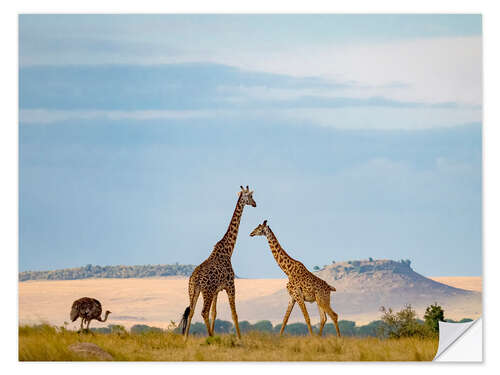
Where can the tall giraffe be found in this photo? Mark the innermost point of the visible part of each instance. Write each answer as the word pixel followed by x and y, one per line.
pixel 302 285
pixel 216 273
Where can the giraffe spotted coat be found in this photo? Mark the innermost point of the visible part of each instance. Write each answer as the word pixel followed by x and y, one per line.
pixel 303 286
pixel 216 273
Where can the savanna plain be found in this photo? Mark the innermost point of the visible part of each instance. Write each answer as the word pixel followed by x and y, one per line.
pixel 45 333
pixel 48 343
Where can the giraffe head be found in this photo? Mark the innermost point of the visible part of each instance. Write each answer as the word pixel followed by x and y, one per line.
pixel 246 196
pixel 260 230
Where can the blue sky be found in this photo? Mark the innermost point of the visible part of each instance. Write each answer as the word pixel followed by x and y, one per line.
pixel 360 134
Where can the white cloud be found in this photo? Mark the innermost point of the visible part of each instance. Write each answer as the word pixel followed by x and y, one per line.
pixel 381 118
pixel 432 70
pixel 45 116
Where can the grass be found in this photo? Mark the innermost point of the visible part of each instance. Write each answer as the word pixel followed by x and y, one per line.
pixel 48 343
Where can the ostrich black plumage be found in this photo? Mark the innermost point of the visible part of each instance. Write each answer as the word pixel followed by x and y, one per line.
pixel 87 309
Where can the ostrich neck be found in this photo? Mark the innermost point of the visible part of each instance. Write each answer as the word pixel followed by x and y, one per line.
pixel 284 260
pixel 105 318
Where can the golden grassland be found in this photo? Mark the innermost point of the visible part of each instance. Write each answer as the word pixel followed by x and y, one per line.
pixel 48 343
pixel 157 301
pixel 151 301
pixel 474 283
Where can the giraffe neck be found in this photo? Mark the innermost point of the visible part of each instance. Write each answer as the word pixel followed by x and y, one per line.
pixel 229 239
pixel 284 260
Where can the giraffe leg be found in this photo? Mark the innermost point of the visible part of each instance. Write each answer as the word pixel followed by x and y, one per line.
pixel 192 306
pixel 207 302
pixel 334 317
pixel 306 314
pixel 287 315
pixel 214 313
pixel 322 315
pixel 232 303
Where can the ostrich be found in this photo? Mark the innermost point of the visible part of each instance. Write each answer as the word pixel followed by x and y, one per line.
pixel 87 309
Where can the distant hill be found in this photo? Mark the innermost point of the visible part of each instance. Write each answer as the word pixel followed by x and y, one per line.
pixel 363 286
pixel 120 272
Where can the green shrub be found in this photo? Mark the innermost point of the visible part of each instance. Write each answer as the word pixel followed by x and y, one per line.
pixel 433 315
pixel 295 329
pixel 245 326
pixel 198 329
pixel 143 328
pixel 223 326
pixel 371 329
pixel 402 324
pixel 263 326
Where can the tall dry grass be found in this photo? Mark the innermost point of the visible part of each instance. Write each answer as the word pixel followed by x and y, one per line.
pixel 48 343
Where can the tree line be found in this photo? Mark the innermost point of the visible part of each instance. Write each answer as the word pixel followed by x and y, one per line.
pixel 347 328
pixel 403 323
pixel 121 272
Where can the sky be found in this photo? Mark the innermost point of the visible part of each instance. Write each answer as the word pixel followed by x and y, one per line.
pixel 361 136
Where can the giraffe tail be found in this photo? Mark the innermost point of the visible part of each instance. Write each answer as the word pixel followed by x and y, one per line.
pixel 184 319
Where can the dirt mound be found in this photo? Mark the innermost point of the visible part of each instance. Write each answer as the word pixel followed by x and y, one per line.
pixel 88 349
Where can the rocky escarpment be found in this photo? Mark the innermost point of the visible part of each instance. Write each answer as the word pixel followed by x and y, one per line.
pixel 389 276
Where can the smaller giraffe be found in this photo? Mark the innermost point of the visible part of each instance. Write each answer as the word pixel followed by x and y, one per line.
pixel 302 285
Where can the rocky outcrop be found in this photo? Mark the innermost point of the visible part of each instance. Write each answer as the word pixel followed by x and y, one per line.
pixel 363 286
pixel 90 351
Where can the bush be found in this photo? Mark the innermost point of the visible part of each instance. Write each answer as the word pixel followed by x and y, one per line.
pixel 143 328
pixel 433 315
pixel 295 329
pixel 223 326
pixel 402 324
pixel 198 329
pixel 346 327
pixel 245 326
pixel 371 329
pixel 101 330
pixel 116 328
pixel 263 326
pixel 466 320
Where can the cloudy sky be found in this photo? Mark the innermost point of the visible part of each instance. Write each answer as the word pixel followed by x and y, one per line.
pixel 360 134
